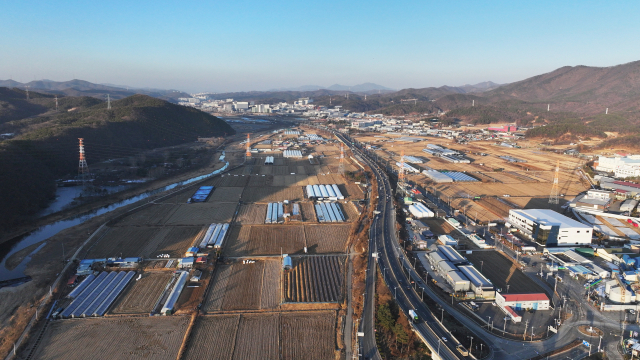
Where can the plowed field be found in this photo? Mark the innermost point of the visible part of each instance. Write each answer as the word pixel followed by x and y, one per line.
pixel 258 337
pixel 202 214
pixel 272 194
pixel 315 279
pixel 251 214
pixel 213 337
pixel 308 335
pixel 325 238
pixel 141 295
pixel 115 338
pixel 226 194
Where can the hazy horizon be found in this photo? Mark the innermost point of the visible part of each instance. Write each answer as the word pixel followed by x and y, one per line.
pixel 252 45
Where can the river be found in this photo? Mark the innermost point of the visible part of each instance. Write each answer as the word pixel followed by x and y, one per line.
pixel 45 232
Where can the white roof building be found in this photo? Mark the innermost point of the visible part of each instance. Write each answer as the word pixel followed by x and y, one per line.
pixel 549 228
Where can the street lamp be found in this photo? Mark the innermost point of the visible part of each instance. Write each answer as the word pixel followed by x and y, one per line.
pixel 504 328
pixel 442 316
pixel 481 264
pixel 508 288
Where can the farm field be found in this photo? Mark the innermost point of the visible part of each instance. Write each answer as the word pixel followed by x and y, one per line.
pixel 126 240
pixel 154 214
pixel 308 335
pixel 230 181
pixel 239 286
pixel 265 240
pixel 113 338
pixel 272 194
pixel 325 238
pixel 314 279
pixel 226 194
pixel 213 337
pixel 140 296
pixel 202 214
pixel 501 271
pixel 258 337
pixel 251 214
pixel 146 242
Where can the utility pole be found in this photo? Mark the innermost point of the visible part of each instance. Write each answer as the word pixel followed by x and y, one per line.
pixel 504 328
pixel 526 325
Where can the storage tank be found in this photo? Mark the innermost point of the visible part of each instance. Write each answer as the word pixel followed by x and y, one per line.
pixel 287 263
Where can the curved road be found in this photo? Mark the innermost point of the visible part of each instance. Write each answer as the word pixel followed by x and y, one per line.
pixel 398 274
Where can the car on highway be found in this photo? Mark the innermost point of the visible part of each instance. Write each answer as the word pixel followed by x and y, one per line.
pixel 444 339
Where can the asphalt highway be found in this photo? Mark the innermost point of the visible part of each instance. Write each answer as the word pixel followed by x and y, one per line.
pixel 407 288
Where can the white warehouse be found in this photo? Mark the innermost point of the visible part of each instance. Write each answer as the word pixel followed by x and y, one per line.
pixel 549 228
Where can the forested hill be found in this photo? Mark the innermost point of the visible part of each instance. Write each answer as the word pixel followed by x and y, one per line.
pixel 45 146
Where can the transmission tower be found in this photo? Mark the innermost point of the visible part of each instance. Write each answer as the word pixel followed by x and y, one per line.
pixel 108 102
pixel 553 198
pixel 341 166
pixel 56 102
pixel 83 168
pixel 248 153
pixel 27 88
pixel 401 173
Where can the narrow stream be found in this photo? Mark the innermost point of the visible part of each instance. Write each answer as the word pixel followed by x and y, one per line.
pixel 47 231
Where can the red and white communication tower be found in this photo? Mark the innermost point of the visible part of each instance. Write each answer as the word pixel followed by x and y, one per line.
pixel 83 168
pixel 248 154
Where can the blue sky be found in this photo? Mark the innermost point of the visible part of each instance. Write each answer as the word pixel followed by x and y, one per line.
pixel 258 45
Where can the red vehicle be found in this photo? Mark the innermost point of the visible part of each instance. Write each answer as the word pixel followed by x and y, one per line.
pixel 72 280
pixel 629 221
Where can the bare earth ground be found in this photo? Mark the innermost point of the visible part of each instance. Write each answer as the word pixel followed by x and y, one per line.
pixel 117 338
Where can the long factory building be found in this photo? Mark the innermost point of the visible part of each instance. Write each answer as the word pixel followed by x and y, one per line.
pixel 462 277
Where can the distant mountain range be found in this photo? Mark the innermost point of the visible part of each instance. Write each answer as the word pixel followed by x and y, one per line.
pixel 84 88
pixel 366 87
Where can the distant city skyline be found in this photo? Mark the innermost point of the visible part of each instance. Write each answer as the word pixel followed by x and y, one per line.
pixel 254 45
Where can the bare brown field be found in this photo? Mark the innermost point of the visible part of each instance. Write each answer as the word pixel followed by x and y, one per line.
pixel 271 280
pixel 349 210
pixel 260 180
pixel 141 295
pixel 308 211
pixel 155 214
pixel 244 287
pixel 272 194
pixel 238 241
pixel 251 214
pixel 308 335
pixel 202 214
pixel 213 337
pixel 258 337
pixel 113 338
pixel 215 297
pixel 276 239
pixel 230 181
pixel 127 241
pixel 314 279
pixel 326 238
pixel 176 242
pixel 226 194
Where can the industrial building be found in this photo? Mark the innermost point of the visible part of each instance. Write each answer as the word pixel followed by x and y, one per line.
pixel 420 211
pixel 447 240
pixel 620 166
pixel 549 228
pixel 451 254
pixel 510 303
pixel 480 285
